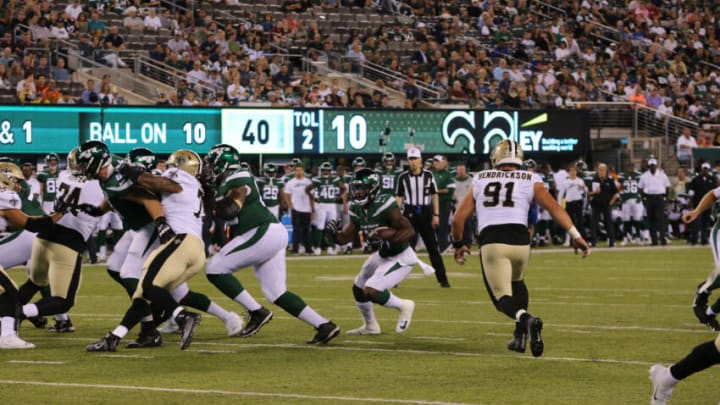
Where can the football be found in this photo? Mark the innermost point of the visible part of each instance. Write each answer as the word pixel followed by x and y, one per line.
pixel 383 233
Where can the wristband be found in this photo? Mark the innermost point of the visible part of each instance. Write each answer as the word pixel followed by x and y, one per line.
pixel 574 233
pixel 458 245
pixel 436 215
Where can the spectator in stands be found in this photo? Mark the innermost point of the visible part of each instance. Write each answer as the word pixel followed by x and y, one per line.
pixel 81 24
pixel 4 77
pixel 132 21
pixel 96 26
pixel 89 96
pixel 152 21
pixel 283 77
pixel 51 94
pixel 163 100
pixel 74 9
pixel 159 53
pixel 58 31
pixel 114 43
pixel 42 67
pixel 685 144
pixel 356 56
pixel 26 90
pixel 7 57
pixel 105 95
pixel 16 74
pixel 197 74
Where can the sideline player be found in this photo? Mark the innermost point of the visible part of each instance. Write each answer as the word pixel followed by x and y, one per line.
pixel 373 212
pixel 501 198
pixel 272 187
pixel 48 180
pixel 324 190
pixel 258 240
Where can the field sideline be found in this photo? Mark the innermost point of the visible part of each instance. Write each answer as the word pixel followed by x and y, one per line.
pixel 607 319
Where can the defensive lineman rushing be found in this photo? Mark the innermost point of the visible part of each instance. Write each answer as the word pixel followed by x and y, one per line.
pixel 501 198
pixel 258 240
pixel 373 213
pixel 177 259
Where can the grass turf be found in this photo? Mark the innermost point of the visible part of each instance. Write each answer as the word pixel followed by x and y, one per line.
pixel 607 319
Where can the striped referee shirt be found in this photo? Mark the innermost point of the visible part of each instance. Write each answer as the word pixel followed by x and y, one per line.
pixel 416 190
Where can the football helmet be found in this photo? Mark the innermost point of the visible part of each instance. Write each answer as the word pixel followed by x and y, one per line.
pixel 92 157
pixel 364 187
pixel 6 159
pixel 220 158
pixel 295 162
pixel 507 152
pixel 50 157
pixel 10 175
pixel 529 164
pixel 244 167
pixel 388 159
pixel 186 160
pixel 581 166
pixel 142 156
pixel 325 169
pixel 359 163
pixel 72 163
pixel 270 169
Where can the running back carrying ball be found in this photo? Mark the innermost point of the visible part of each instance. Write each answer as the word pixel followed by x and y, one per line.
pixel 383 233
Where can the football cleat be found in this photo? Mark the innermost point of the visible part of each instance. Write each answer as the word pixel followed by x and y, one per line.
pixel 146 339
pixel 325 333
pixel 534 327
pixel 14 342
pixel 367 329
pixel 711 322
pixel 187 321
pixel 406 313
pixel 107 344
pixel 257 319
pixel 169 327
pixel 519 342
pixel 62 327
pixel 662 384
pixel 234 324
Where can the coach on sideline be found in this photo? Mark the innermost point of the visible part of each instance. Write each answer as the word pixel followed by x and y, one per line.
pixel 417 195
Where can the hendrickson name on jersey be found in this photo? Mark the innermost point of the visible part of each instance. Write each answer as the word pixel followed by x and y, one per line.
pixel 498 174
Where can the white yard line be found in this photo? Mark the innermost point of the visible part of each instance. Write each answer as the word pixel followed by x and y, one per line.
pixel 43 362
pixel 125 356
pixel 227 393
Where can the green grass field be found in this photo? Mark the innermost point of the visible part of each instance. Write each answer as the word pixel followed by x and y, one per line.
pixel 607 319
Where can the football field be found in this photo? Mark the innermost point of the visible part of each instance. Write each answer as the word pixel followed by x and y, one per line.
pixel 607 319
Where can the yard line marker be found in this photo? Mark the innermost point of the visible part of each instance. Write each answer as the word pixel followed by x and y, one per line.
pixel 126 356
pixel 229 393
pixel 452 339
pixel 35 362
pixel 213 351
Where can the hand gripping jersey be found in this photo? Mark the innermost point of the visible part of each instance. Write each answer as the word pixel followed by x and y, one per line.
pixel 270 190
pixel 254 213
pixel 8 200
pixel 134 215
pixel 50 185
pixel 374 215
pixel 30 207
pixel 327 189
pixel 76 191
pixel 388 180
pixel 630 188
pixel 184 210
pixel 503 197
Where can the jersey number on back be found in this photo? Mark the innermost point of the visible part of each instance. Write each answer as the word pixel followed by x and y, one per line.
pixel 492 194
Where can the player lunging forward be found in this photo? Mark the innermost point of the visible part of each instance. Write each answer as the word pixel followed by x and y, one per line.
pixel 501 198
pixel 379 216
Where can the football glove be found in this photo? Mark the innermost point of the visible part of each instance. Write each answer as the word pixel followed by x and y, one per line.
pixel 130 171
pixel 332 227
pixel 91 210
pixel 61 206
pixel 164 231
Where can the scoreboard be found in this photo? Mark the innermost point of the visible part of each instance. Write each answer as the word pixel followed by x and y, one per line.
pixel 284 131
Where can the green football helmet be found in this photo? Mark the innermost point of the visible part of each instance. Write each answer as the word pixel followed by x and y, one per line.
pixel 295 162
pixel 143 157
pixel 364 187
pixel 388 159
pixel 270 169
pixel 244 167
pixel 51 156
pixel 92 157
pixel 220 158
pixel 359 163
pixel 326 169
pixel 72 163
pixel 529 164
pixel 581 166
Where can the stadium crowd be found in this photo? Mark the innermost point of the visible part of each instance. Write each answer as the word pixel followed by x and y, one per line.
pixel 487 54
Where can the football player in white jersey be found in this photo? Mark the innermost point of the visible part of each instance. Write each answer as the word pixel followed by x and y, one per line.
pixel 56 257
pixel 501 198
pixel 11 214
pixel 179 258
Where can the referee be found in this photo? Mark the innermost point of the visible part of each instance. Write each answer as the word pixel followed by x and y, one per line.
pixel 417 190
pixel 655 187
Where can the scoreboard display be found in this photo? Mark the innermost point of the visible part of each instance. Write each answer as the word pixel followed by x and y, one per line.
pixel 284 131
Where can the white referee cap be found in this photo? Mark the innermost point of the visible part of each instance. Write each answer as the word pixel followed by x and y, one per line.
pixel 652 162
pixel 414 153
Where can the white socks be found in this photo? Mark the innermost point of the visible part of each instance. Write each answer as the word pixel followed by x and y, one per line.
pixel 519 314
pixel 8 326
pixel 30 310
pixel 120 331
pixel 393 302
pixel 218 311
pixel 310 316
pixel 367 311
pixel 247 301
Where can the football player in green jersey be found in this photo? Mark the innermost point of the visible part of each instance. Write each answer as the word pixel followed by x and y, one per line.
pixel 377 214
pixel 632 206
pixel 271 188
pixel 358 163
pixel 257 241
pixel 343 209
pixel 48 181
pixel 324 191
pixel 388 174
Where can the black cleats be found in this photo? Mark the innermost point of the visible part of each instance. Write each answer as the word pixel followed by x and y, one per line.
pixel 325 333
pixel 187 321
pixel 107 344
pixel 534 327
pixel 256 320
pixel 145 340
pixel 519 342
pixel 62 327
